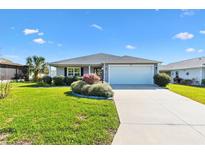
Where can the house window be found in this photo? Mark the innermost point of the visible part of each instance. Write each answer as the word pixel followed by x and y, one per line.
pixel 74 71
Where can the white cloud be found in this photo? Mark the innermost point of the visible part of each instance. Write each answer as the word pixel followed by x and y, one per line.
pixel 96 26
pixel 190 50
pixel 39 41
pixel 41 34
pixel 130 47
pixel 187 12
pixel 193 50
pixel 59 45
pixel 202 31
pixel 184 36
pixel 200 50
pixel 28 31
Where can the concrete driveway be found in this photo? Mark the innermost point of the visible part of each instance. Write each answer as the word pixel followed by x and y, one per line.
pixel 151 115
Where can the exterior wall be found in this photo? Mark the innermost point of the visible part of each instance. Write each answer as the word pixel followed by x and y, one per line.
pixel 203 73
pixel 194 73
pixel 59 71
pixel 85 70
pixel 156 69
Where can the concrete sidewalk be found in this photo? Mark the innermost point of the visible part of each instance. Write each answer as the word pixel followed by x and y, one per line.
pixel 158 116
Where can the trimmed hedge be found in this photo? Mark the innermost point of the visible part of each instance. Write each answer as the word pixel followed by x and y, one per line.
pixel 47 79
pixel 58 81
pixel 203 82
pixel 187 82
pixel 97 89
pixel 162 79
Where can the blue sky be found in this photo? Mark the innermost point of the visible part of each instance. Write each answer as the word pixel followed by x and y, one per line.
pixel 165 35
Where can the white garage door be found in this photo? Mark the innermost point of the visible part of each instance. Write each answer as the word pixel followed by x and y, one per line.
pixel 131 74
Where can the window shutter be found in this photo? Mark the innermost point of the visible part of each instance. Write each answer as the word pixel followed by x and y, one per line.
pixel 65 71
pixel 82 71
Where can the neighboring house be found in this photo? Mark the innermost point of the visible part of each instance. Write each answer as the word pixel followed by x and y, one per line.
pixel 111 68
pixel 192 69
pixel 11 71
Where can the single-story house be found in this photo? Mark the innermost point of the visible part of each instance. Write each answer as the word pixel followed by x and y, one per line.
pixel 111 68
pixel 191 69
pixel 12 71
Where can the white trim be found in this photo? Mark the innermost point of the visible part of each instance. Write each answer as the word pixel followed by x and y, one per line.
pixel 104 72
pixel 89 69
pixel 131 65
pixel 73 71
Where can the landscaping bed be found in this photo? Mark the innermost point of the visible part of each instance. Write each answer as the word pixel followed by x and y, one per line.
pixel 54 116
pixel 91 86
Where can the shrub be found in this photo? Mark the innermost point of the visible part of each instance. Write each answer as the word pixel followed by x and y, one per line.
pixel 58 80
pixel 187 82
pixel 77 86
pixel 100 90
pixel 5 88
pixel 203 82
pixel 85 89
pixel 69 80
pixel 91 78
pixel 47 79
pixel 162 79
pixel 97 89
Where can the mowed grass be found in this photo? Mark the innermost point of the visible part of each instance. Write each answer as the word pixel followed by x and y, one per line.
pixel 194 93
pixel 32 115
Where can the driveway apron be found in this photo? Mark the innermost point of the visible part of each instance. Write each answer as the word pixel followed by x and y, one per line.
pixel 151 115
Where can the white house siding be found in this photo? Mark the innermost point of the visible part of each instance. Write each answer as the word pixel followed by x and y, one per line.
pixel 60 71
pixel 194 73
pixel 203 73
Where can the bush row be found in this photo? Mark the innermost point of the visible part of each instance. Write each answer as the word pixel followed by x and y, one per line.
pixel 59 80
pixel 97 89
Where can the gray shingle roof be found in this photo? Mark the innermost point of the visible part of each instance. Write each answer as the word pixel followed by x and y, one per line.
pixel 8 62
pixel 101 58
pixel 190 63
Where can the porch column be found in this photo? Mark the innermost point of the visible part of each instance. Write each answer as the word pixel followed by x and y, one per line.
pixel 89 69
pixel 103 72
pixel 49 70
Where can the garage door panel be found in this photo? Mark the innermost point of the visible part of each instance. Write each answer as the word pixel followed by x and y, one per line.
pixel 131 74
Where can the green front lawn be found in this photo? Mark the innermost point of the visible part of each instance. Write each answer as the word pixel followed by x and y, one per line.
pixel 194 93
pixel 31 115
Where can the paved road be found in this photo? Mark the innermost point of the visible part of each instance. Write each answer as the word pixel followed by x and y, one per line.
pixel 150 115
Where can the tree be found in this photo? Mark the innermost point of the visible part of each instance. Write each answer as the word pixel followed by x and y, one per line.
pixel 36 65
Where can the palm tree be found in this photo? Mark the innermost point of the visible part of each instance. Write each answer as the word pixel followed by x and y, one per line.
pixel 36 65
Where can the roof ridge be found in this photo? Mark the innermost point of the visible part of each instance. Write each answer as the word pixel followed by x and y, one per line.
pixel 100 53
pixel 185 60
